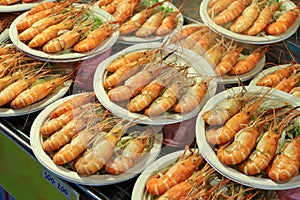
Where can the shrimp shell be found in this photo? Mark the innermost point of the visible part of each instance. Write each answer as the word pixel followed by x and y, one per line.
pixel 228 61
pixel 178 173
pixel 191 99
pixel 286 164
pixel 227 132
pixel 37 92
pixel 289 83
pixel 266 147
pixel 151 25
pixel 247 18
pixel 272 79
pixel 184 33
pixel 284 22
pixel 262 20
pixel 233 11
pixel 245 65
pixel 218 7
pixel 72 103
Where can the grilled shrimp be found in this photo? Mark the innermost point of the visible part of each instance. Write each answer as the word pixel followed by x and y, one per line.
pixel 248 63
pixel 227 132
pixel 262 20
pixel 178 173
pixel 286 164
pixel 101 151
pixel 284 22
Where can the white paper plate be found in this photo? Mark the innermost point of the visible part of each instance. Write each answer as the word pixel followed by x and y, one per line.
pixel 72 176
pixel 211 157
pixel 8 112
pixel 131 39
pixel 199 65
pixel 246 38
pixel 139 190
pixel 67 57
pixel 19 6
pixel 266 72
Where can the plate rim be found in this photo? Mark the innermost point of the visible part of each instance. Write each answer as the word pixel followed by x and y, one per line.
pixel 210 156
pixel 245 38
pixel 122 112
pixel 68 57
pixel 72 176
pixel 10 112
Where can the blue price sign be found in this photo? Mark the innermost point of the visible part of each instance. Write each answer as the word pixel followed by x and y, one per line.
pixel 65 189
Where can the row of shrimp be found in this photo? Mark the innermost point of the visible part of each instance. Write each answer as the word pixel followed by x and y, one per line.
pixel 55 27
pixel 249 131
pixel 190 177
pixel 81 135
pixel 25 81
pixel 151 82
pixel 156 19
pixel 225 57
pixel 284 78
pixel 13 2
pixel 253 17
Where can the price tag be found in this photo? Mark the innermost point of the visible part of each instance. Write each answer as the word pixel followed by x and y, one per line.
pixel 63 187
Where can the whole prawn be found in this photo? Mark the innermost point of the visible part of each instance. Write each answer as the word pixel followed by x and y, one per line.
pixel 233 11
pixel 52 32
pixel 30 19
pixel 248 63
pixel 168 98
pixel 227 132
pixel 38 92
pixel 224 110
pixel 101 151
pixel 204 43
pixel 167 24
pixel 288 83
pixel 130 155
pixel 9 79
pixel 179 172
pixel 55 124
pixel 74 102
pixel 138 20
pixel 112 7
pixel 125 10
pixel 150 25
pixel 68 131
pixel 14 89
pixel 194 95
pixel 128 58
pixel 279 170
pixel 247 18
pixel 182 190
pixel 272 79
pixel 190 41
pixel 266 147
pixel 262 20
pixel 134 84
pixel 69 38
pixel 243 144
pixel 184 33
pixel 42 6
pixel 284 22
pixel 151 91
pixel 80 142
pixel 40 25
pixel 94 38
pixel 218 6
pixel 229 60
